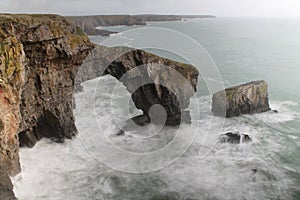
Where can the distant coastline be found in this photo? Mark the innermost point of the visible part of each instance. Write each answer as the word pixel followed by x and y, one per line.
pixel 89 23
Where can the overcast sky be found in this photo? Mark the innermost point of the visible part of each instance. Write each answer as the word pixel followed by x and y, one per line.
pixel 253 8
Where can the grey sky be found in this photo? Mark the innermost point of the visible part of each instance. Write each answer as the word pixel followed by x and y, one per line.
pixel 255 8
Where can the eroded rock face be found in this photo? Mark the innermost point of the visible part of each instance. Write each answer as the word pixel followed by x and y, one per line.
pixel 149 78
pixel 6 186
pixel 39 58
pixel 12 80
pixel 248 98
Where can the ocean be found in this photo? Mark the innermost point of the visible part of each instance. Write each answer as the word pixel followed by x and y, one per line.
pixel 153 164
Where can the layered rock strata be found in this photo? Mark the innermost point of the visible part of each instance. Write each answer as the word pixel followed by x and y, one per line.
pixel 248 98
pixel 39 59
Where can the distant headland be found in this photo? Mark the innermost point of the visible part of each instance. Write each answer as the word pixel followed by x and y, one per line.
pixel 89 23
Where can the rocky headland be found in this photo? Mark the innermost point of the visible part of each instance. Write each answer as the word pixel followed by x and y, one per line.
pixel 89 23
pixel 40 56
pixel 161 18
pixel 44 58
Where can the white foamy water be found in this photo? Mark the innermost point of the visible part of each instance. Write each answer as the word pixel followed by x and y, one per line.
pixel 74 170
pixel 88 167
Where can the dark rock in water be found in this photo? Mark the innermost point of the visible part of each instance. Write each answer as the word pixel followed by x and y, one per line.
pixel 248 98
pixel 150 79
pixel 141 120
pixel 28 138
pixel 120 132
pixel 6 186
pixel 130 125
pixel 275 111
pixel 235 138
pixel 136 123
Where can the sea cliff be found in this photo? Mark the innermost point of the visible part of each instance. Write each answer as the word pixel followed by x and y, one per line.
pixel 39 58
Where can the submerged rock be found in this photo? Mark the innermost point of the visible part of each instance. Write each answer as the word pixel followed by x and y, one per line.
pixel 248 98
pixel 235 138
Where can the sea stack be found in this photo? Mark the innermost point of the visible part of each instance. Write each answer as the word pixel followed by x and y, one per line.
pixel 249 98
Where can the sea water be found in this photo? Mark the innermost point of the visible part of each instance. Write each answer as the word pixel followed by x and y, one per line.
pixel 198 167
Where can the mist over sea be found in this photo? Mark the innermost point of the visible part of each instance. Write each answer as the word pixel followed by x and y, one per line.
pixel 267 168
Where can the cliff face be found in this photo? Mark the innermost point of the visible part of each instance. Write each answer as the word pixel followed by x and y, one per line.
pixel 248 98
pixel 6 187
pixel 12 79
pixel 39 58
pixel 89 23
pixel 149 78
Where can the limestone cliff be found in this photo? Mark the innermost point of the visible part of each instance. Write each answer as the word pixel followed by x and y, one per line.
pixel 39 58
pixel 149 78
pixel 248 98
